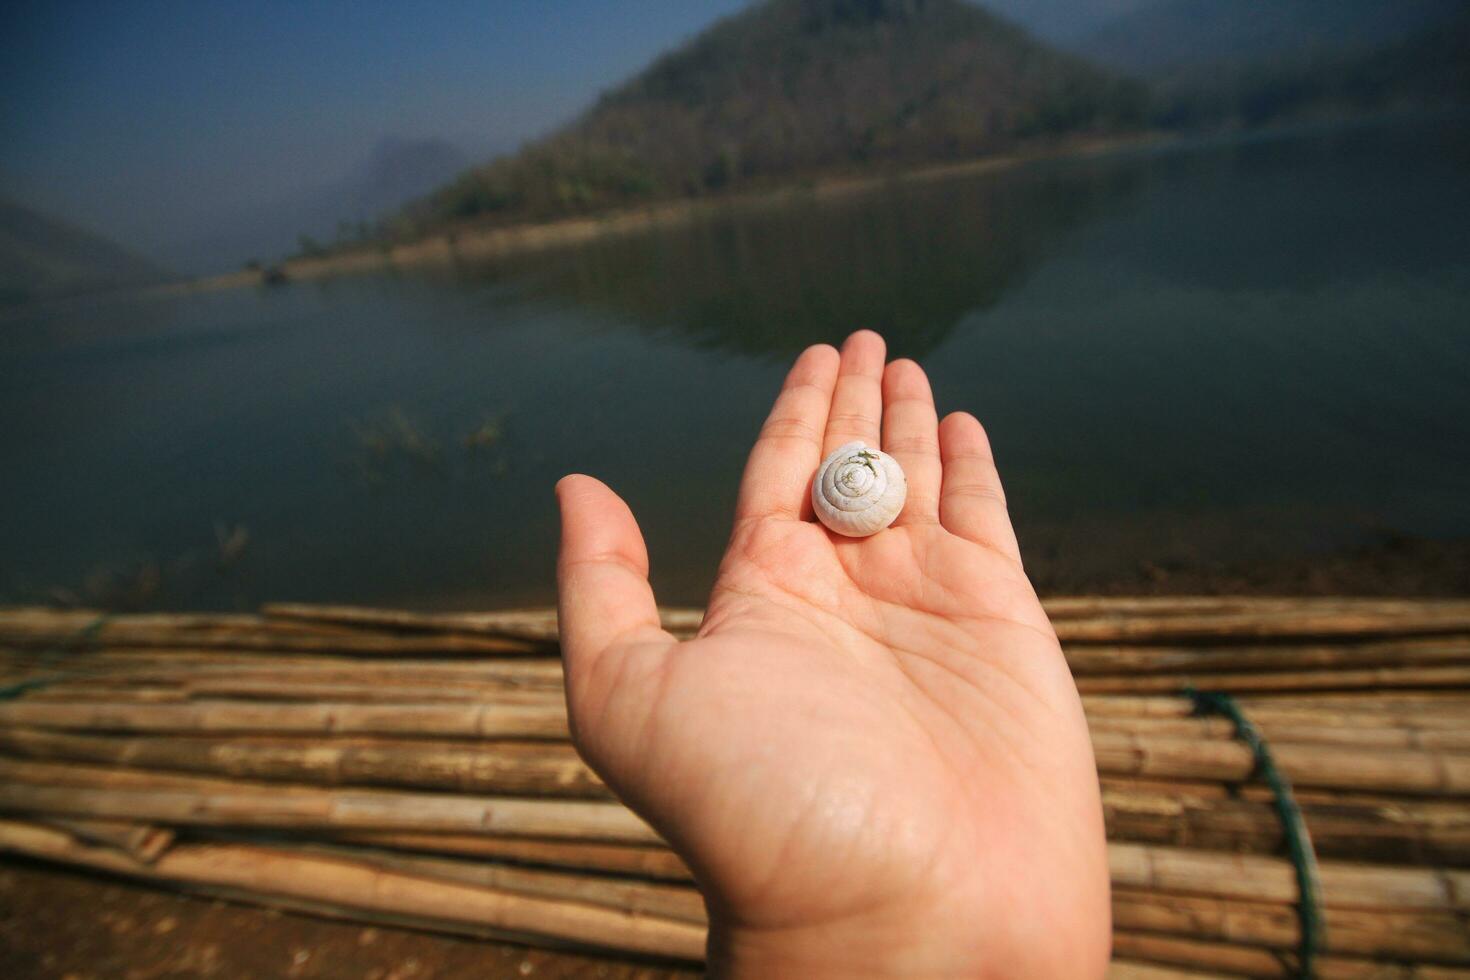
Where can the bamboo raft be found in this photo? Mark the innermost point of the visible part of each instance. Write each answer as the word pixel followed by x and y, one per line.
pixel 414 769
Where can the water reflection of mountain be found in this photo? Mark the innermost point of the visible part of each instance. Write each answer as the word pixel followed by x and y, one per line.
pixel 910 261
pixel 1283 234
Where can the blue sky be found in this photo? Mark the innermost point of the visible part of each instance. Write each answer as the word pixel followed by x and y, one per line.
pixel 144 117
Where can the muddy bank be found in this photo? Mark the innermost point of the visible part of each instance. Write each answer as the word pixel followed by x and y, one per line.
pixel 1390 566
pixel 56 923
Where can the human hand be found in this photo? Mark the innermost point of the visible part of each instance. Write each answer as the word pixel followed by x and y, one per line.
pixel 873 755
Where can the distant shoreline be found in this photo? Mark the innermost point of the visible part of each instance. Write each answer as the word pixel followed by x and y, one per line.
pixel 472 242
pixel 468 243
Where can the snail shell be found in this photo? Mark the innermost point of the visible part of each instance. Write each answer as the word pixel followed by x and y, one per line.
pixel 858 491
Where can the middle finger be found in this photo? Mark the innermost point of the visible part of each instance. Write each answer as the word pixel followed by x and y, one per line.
pixel 857 401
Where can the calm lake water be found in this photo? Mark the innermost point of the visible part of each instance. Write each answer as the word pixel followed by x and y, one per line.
pixel 1234 350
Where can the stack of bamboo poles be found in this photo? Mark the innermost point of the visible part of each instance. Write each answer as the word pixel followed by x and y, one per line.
pixel 414 769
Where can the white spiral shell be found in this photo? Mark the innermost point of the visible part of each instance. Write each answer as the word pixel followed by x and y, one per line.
pixel 858 491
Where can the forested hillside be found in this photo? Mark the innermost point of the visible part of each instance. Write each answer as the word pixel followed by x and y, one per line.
pixel 41 256
pixel 797 87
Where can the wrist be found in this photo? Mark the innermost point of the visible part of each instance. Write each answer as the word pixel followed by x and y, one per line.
pixel 855 949
pixel 949 942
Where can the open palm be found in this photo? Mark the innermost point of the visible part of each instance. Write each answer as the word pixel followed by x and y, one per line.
pixel 873 755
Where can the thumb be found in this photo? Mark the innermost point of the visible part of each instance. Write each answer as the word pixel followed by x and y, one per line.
pixel 603 595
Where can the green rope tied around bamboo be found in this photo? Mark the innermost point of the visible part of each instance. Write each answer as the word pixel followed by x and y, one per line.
pixel 89 632
pixel 12 691
pixel 74 643
pixel 1298 839
pixel 80 638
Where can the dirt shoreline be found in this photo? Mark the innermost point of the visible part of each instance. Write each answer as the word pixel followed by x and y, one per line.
pixel 60 923
pixel 471 243
pixel 1393 566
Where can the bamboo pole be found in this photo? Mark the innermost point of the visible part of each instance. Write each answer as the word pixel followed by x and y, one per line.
pixel 143 631
pixel 1302 622
pixel 1233 876
pixel 223 688
pixel 1150 607
pixel 537 623
pixel 543 769
pixel 1360 700
pixel 1089 607
pixel 1384 736
pixel 478 720
pixel 142 842
pixel 534 624
pixel 117 777
pixel 682 903
pixel 309 809
pixel 1437 714
pixel 1134 660
pixel 1369 678
pixel 182 662
pixel 1388 770
pixel 1408 832
pixel 465 689
pixel 1420 936
pixel 1191 788
pixel 122 670
pixel 77 691
pixel 360 885
pixel 625 859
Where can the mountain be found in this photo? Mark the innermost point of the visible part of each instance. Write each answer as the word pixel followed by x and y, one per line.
pixel 395 171
pixel 1172 36
pixel 42 256
pixel 796 87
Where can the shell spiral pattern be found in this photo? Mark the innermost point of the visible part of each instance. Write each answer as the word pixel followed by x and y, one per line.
pixel 858 491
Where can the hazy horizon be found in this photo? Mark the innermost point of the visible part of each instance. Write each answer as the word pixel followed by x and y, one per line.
pixel 190 132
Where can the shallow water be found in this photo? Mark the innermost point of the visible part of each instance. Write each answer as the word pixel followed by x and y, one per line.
pixel 1233 350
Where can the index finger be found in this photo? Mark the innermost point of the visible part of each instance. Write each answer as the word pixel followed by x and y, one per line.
pixel 789 446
